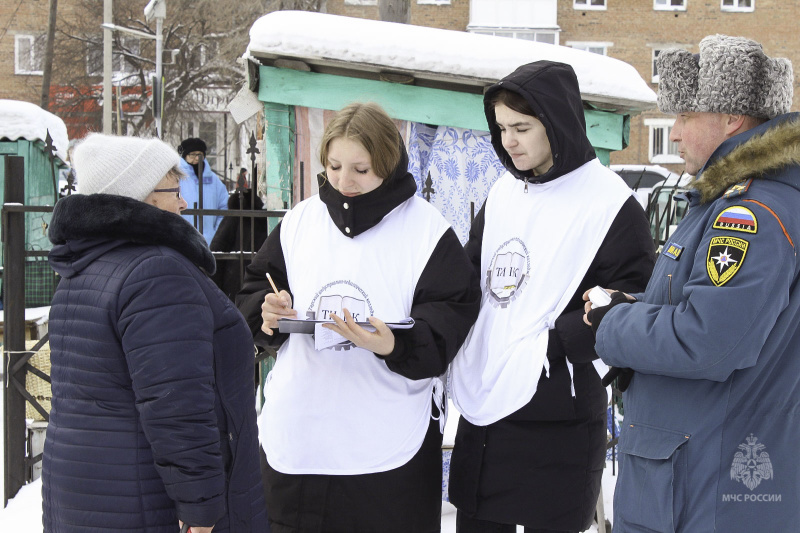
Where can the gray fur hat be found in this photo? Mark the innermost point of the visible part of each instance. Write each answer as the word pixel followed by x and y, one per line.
pixel 730 75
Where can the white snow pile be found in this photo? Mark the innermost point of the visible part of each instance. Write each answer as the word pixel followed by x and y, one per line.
pixel 446 53
pixel 23 120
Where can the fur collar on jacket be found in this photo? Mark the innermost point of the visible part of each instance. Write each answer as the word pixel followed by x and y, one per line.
pixel 778 146
pixel 111 217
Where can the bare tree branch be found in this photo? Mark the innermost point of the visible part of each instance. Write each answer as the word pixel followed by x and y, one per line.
pixel 207 37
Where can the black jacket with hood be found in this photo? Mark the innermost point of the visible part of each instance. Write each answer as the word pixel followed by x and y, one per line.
pixel 519 491
pixel 623 262
pixel 153 414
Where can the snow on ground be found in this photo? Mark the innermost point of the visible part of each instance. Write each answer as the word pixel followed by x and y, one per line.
pixel 24 512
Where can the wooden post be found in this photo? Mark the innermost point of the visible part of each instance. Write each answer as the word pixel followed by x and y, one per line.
pixel 14 328
pixel 47 67
pixel 280 152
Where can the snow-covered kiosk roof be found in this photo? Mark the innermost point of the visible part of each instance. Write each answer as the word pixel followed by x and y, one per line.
pixel 436 58
pixel 23 120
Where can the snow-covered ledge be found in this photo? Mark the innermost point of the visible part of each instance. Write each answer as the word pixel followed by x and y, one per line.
pixel 455 57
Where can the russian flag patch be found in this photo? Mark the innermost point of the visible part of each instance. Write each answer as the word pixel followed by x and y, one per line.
pixel 736 218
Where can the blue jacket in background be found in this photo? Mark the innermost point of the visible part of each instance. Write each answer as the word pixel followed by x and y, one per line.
pixel 711 434
pixel 215 196
pixel 153 412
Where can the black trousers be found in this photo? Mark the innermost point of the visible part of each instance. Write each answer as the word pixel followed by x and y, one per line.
pixel 545 475
pixel 407 499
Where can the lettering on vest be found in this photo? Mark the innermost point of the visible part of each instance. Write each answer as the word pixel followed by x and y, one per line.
pixel 508 272
pixel 336 296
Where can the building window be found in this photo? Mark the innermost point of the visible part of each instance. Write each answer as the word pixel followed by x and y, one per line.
pixel 361 2
pixel 202 53
pixel 540 36
pixel 669 5
pixel 28 54
pixel 126 45
pixel 655 78
pixel 593 47
pixel 435 2
pixel 738 5
pixel 589 4
pixel 662 150
pixel 532 20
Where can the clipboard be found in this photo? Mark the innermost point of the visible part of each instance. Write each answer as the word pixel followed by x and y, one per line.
pixel 295 325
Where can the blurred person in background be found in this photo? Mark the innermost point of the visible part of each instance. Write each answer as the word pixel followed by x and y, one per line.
pixel 237 234
pixel 215 195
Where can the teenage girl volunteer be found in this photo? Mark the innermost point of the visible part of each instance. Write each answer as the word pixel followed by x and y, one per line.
pixel 351 432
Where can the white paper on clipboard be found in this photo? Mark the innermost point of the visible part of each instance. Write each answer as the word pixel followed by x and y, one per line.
pixel 297 325
pixel 325 338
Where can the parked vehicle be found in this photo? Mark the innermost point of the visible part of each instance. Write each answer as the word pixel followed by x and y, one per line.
pixel 665 210
pixel 658 190
pixel 643 178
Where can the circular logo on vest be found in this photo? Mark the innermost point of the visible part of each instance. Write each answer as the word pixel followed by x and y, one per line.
pixel 336 296
pixel 508 272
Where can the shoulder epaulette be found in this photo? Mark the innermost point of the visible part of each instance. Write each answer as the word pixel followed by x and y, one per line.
pixel 738 189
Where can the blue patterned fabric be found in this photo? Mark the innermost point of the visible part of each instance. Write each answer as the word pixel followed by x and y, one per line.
pixel 462 165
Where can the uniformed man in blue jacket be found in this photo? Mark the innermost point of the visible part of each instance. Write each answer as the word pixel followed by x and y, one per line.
pixel 712 411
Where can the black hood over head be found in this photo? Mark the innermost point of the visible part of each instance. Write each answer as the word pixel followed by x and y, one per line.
pixel 551 89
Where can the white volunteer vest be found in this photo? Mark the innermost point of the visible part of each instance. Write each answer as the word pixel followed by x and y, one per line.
pixel 536 249
pixel 341 411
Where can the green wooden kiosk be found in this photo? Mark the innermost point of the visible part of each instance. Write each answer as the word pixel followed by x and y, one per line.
pixel 24 133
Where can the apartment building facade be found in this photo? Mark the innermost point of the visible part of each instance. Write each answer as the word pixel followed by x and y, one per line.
pixel 76 87
pixel 634 31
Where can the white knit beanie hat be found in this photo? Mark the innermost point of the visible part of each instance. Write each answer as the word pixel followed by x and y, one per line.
pixel 125 166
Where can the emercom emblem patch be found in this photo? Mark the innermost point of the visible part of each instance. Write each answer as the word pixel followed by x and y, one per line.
pixel 725 258
pixel 737 218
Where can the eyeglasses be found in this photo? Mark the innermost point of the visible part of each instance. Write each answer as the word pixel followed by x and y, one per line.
pixel 176 190
pixel 198 155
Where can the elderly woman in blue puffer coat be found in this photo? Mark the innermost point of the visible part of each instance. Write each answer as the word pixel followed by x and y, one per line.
pixel 153 421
